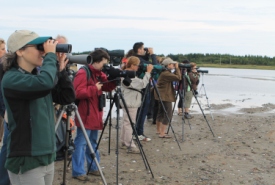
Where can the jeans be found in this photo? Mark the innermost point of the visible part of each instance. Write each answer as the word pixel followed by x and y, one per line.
pixel 142 112
pixel 4 180
pixel 82 150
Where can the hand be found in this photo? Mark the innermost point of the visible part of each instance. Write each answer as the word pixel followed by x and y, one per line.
pixel 99 85
pixel 50 46
pixel 151 51
pixel 196 93
pixel 150 68
pixel 176 65
pixel 62 60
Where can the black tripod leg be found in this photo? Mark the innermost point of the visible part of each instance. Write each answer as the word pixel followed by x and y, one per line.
pixel 66 147
pixel 169 120
pixel 201 109
pixel 101 135
pixel 146 163
pixel 203 114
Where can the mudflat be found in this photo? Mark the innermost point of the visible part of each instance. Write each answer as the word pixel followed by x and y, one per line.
pixel 242 152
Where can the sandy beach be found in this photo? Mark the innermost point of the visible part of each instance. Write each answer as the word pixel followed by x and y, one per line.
pixel 242 152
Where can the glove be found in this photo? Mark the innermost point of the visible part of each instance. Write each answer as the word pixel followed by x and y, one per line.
pixel 196 93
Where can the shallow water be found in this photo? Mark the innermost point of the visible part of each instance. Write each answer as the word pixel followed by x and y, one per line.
pixel 244 88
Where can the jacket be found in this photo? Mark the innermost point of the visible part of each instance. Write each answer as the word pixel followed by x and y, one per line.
pixel 192 79
pixel 87 93
pixel 133 97
pixel 28 98
pixel 165 85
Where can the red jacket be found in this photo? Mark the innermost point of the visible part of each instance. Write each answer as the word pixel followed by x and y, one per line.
pixel 88 94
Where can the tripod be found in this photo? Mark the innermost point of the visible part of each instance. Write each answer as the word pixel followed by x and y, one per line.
pixel 163 107
pixel 69 109
pixel 185 77
pixel 116 100
pixel 181 94
pixel 203 87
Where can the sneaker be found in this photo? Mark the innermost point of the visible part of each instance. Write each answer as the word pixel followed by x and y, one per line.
pixel 82 178
pixel 144 138
pixel 149 119
pixel 96 173
pixel 123 146
pixel 188 116
pixel 133 150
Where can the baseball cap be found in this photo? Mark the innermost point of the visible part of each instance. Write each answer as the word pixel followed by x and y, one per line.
pixel 21 38
pixel 168 61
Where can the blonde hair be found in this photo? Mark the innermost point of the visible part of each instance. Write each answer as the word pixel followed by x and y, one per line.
pixel 193 64
pixel 2 41
pixel 132 61
pixel 160 59
pixel 9 61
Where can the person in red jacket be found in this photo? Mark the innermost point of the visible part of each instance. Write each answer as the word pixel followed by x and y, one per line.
pixel 88 92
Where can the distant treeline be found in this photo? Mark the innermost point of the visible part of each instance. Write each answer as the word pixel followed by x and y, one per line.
pixel 224 59
pixel 218 59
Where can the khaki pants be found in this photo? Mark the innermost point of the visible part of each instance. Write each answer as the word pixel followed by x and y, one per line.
pixel 126 130
pixel 42 175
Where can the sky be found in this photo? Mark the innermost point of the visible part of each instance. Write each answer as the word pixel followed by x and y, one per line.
pixel 236 27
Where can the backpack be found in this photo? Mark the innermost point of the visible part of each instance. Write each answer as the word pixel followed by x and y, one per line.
pixel 88 75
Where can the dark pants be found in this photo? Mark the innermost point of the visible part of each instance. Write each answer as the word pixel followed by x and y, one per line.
pixel 4 180
pixel 142 112
pixel 151 109
pixel 156 107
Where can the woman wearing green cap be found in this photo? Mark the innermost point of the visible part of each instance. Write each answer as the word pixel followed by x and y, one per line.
pixel 29 97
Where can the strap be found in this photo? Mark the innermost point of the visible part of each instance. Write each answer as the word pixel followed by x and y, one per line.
pixel 136 90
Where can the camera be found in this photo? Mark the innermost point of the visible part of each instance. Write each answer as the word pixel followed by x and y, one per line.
pixel 115 56
pixel 79 59
pixel 188 66
pixel 113 73
pixel 156 68
pixel 62 48
pixel 202 71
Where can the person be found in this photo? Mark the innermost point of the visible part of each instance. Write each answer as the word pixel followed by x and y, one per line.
pixel 88 92
pixel 126 58
pixel 144 57
pixel 191 81
pixel 153 107
pixel 61 39
pixel 28 97
pixel 132 95
pixel 4 180
pixel 184 72
pixel 2 53
pixel 167 95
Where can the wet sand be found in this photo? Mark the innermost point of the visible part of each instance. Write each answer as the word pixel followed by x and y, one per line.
pixel 242 152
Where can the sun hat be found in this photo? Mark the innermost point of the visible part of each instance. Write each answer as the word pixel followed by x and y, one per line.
pixel 168 61
pixel 21 38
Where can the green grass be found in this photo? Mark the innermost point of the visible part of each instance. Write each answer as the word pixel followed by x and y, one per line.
pixel 237 66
